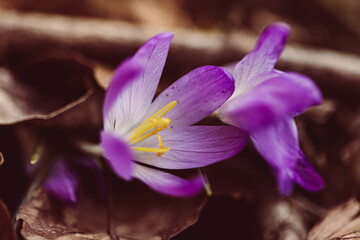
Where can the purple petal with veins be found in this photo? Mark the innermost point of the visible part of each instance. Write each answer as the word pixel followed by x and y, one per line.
pixel 279 145
pixel 167 183
pixel 263 58
pixel 194 146
pixel 281 95
pixel 198 94
pixel 263 104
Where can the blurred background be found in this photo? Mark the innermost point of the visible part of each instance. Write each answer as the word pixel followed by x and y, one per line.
pixel 57 57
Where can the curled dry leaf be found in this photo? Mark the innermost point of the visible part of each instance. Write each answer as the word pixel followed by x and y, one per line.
pixel 6 228
pixel 43 87
pixel 132 211
pixel 341 222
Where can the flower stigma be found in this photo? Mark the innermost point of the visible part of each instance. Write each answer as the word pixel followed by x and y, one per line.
pixel 150 127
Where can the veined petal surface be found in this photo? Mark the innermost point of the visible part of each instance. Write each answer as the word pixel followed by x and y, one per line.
pixel 115 111
pixel 167 183
pixel 279 145
pixel 282 95
pixel 263 58
pixel 198 94
pixel 194 146
pixel 135 97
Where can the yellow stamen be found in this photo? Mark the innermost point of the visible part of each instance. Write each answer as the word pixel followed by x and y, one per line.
pixel 153 150
pixel 157 124
pixel 150 127
pixel 157 115
pixel 161 146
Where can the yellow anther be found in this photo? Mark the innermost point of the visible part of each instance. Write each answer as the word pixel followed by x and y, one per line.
pixel 157 115
pixel 150 127
pixel 153 150
pixel 157 124
pixel 161 145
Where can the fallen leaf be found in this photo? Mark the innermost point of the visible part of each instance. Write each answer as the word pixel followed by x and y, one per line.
pixel 43 87
pixel 6 228
pixel 132 211
pixel 340 222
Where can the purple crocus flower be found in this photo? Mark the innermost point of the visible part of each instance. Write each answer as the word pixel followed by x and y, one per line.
pixel 142 138
pixel 62 183
pixel 264 103
pixel 69 173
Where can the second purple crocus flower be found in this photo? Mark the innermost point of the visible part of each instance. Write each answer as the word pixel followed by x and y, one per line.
pixel 142 137
pixel 264 103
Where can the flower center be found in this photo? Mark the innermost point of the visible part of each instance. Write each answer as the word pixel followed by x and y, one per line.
pixel 150 127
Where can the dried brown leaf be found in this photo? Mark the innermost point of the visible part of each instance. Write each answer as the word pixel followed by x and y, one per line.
pixel 44 218
pixel 6 228
pixel 132 212
pixel 340 222
pixel 43 87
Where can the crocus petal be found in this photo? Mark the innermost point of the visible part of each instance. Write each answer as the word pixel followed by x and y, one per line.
pixel 263 58
pixel 62 183
pixel 193 146
pixel 168 184
pixel 285 180
pixel 282 95
pixel 278 144
pixel 303 174
pixel 198 94
pixel 113 108
pixel 135 97
pixel 306 176
pixel 118 155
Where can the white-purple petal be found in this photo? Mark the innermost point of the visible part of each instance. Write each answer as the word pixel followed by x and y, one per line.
pixel 167 183
pixel 115 111
pixel 62 183
pixel 263 58
pixel 118 155
pixel 193 146
pixel 198 94
pixel 281 95
pixel 136 96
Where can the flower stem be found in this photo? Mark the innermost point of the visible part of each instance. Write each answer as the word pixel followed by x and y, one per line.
pixel 88 147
